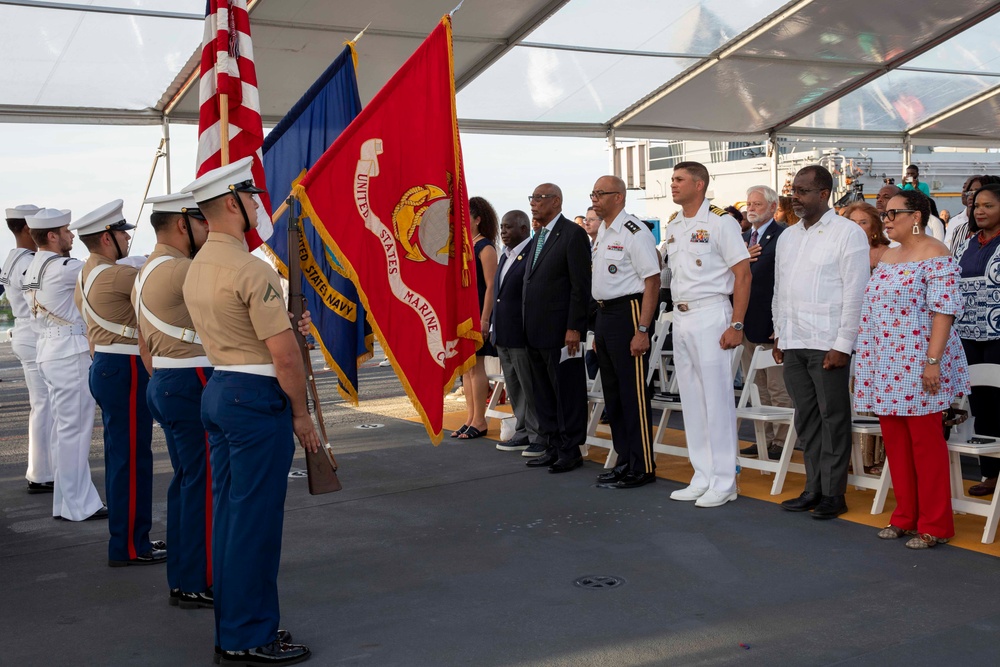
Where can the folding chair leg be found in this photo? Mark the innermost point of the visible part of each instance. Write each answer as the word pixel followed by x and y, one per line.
pixel 955 465
pixel 760 439
pixel 882 491
pixel 990 531
pixel 664 416
pixel 786 458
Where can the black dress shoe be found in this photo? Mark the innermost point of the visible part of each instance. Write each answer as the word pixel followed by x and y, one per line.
pixel 830 508
pixel 40 487
pixel 749 452
pixel 159 544
pixel 564 465
pixel 543 461
pixel 283 636
pixel 200 600
pixel 151 557
pixel 98 515
pixel 275 653
pixel 634 479
pixel 612 475
pixel 803 503
pixel 175 597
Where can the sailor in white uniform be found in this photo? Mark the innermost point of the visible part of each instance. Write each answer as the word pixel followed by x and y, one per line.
pixel 63 357
pixel 22 342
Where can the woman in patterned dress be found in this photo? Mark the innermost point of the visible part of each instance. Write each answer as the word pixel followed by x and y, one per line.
pixel 910 366
pixel 979 328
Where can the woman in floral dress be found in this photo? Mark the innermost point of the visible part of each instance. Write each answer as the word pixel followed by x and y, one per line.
pixel 910 366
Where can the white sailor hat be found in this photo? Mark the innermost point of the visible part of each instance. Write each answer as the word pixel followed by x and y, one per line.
pixel 21 212
pixel 235 177
pixel 107 218
pixel 179 202
pixel 48 218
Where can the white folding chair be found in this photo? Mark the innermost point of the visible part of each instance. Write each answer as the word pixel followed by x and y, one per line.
pixel 965 442
pixel 671 403
pixel 750 408
pixel 498 388
pixel 655 348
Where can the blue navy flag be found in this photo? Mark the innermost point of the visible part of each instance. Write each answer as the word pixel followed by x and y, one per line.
pixel 339 320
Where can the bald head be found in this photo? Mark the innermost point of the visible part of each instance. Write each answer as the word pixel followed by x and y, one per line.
pixel 546 203
pixel 608 197
pixel 514 228
pixel 885 193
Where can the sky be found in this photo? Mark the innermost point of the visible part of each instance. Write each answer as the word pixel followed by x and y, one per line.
pixel 82 167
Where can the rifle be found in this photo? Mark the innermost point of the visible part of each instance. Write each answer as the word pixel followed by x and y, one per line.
pixel 321 467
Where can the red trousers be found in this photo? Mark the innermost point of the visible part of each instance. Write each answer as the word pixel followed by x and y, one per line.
pixel 918 463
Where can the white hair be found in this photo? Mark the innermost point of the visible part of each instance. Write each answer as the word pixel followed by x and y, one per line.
pixel 770 196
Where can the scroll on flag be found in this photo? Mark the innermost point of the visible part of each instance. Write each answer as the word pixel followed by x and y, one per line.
pixel 294 145
pixel 228 90
pixel 389 196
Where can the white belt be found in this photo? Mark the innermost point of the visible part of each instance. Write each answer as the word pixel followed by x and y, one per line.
pixel 253 369
pixel 22 320
pixel 118 348
pixel 190 362
pixel 61 331
pixel 694 304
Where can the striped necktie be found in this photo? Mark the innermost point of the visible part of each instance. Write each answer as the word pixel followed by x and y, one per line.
pixel 538 245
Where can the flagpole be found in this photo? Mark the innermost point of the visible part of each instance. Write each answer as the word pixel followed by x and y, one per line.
pixel 224 127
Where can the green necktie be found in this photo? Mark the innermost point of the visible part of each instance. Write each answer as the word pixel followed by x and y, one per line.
pixel 538 246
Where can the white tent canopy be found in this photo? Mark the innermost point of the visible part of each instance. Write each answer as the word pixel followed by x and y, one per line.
pixel 903 70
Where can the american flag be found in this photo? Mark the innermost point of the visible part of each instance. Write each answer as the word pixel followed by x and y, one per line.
pixel 227 68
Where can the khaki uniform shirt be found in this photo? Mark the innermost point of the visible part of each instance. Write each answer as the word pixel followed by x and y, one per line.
pixel 163 296
pixel 235 301
pixel 111 298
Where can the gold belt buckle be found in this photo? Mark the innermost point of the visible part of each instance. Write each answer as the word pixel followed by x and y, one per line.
pixel 683 307
pixel 600 303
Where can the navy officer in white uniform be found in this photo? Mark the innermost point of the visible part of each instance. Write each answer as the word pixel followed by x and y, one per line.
pixel 709 262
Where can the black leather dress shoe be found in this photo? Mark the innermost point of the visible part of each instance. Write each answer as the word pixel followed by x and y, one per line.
pixel 803 503
pixel 283 636
pixel 543 461
pixel 830 508
pixel 40 487
pixel 634 479
pixel 563 465
pixel 98 515
pixel 159 544
pixel 151 557
pixel 275 653
pixel 612 475
pixel 202 600
pixel 175 597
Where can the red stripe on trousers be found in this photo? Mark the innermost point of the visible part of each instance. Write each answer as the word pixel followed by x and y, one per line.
pixel 133 394
pixel 208 495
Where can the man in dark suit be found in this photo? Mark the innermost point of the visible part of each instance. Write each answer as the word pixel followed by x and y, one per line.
pixel 507 334
pixel 758 324
pixel 556 295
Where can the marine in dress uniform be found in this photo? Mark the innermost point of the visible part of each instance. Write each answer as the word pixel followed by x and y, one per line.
pixel 251 405
pixel 708 262
pixel 22 341
pixel 118 380
pixel 626 285
pixel 63 360
pixel 180 372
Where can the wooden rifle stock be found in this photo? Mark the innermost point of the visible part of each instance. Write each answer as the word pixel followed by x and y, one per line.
pixel 321 467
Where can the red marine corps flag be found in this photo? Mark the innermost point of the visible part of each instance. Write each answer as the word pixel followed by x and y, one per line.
pixel 389 196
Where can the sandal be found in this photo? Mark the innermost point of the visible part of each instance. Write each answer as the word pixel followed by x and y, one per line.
pixel 472 433
pixel 924 541
pixel 465 427
pixel 891 532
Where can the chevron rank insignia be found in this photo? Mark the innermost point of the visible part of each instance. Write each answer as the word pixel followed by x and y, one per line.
pixel 271 294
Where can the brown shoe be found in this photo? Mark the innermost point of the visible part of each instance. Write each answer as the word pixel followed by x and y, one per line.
pixel 984 489
pixel 891 532
pixel 924 541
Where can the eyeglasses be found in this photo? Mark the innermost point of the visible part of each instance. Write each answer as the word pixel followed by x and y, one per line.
pixel 540 197
pixel 890 213
pixel 804 191
pixel 597 194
